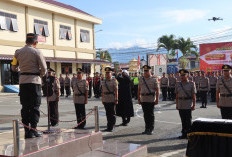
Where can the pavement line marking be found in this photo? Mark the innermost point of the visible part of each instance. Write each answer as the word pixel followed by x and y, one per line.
pixel 167 122
pixel 172 153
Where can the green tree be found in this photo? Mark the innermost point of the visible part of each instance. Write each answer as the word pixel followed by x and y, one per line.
pixel 187 48
pixel 104 55
pixel 166 42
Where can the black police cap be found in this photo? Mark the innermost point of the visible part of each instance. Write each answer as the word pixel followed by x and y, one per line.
pixel 226 67
pixel 183 71
pixel 146 67
pixel 79 70
pixel 51 70
pixel 108 69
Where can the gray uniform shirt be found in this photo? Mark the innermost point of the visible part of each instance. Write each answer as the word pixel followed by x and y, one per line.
pixel 61 79
pixel 79 98
pixel 204 84
pixel 112 85
pixel 55 88
pixel 172 82
pixel 188 90
pixel 153 86
pixel 178 79
pixel 213 81
pixel 30 60
pixel 196 80
pixel 225 101
pixel 164 82
pixel 67 81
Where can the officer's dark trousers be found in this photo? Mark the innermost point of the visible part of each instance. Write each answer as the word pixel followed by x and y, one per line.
pixel 30 98
pixel 90 90
pixel 164 92
pixel 97 90
pixel 226 112
pixel 186 120
pixel 80 114
pixel 136 91
pixel 148 113
pixel 169 93
pixel 172 93
pixel 54 114
pixel 62 89
pixel 204 98
pixel 68 91
pixel 110 115
pixel 213 94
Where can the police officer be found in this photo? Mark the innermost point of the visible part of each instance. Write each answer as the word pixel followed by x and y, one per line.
pixel 32 64
pixel 177 76
pixel 67 84
pixel 80 98
pixel 196 80
pixel 164 86
pixel 96 85
pixel 213 82
pixel 224 93
pixel 73 78
pixel 53 94
pixel 204 88
pixel 136 83
pixel 90 82
pixel 172 85
pixel 110 98
pixel 148 97
pixel 61 79
pixel 185 101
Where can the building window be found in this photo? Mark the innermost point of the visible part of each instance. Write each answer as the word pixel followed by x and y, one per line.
pixel 86 67
pixel 41 28
pixel 66 68
pixel 8 22
pixel 85 36
pixel 65 32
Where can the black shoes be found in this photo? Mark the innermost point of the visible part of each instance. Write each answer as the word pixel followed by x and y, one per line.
pixel 108 130
pixel 80 127
pixel 32 134
pixel 183 137
pixel 124 124
pixel 148 132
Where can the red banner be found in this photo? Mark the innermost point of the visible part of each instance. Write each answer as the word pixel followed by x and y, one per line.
pixel 214 55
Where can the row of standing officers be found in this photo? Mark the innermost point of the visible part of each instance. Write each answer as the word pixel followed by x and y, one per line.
pixel 32 65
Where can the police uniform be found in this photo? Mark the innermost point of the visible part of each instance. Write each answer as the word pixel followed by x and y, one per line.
pixel 196 80
pixel 184 102
pixel 61 79
pixel 172 85
pixel 148 88
pixel 96 86
pixel 109 97
pixel 67 84
pixel 90 82
pixel 204 89
pixel 53 98
pixel 224 90
pixel 80 96
pixel 164 87
pixel 213 82
pixel 32 64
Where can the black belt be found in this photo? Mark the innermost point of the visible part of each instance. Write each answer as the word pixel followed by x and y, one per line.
pixel 27 73
pixel 108 93
pixel 185 98
pixel 203 87
pixel 226 95
pixel 148 94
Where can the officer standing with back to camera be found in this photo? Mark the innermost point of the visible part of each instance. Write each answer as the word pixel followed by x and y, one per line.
pixel 110 98
pixel 185 101
pixel 148 97
pixel 204 87
pixel 80 98
pixel 32 64
pixel 224 93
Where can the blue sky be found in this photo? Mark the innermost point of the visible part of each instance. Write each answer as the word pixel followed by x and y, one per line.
pixel 128 23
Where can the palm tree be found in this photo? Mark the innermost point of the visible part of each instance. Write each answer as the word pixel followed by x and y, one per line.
pixel 187 48
pixel 166 42
pixel 104 55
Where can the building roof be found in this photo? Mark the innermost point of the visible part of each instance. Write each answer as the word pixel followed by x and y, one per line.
pixel 59 4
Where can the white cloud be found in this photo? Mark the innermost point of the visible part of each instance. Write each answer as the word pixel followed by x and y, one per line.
pixel 142 43
pixel 187 15
pixel 223 29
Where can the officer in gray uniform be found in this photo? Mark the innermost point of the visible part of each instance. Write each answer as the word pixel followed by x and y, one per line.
pixel 204 88
pixel 110 98
pixel 196 80
pixel 32 64
pixel 224 93
pixel 172 86
pixel 148 97
pixel 213 82
pixel 67 84
pixel 185 102
pixel 177 76
pixel 80 98
pixel 164 86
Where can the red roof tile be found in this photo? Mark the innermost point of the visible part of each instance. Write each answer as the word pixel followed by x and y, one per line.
pixel 65 6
